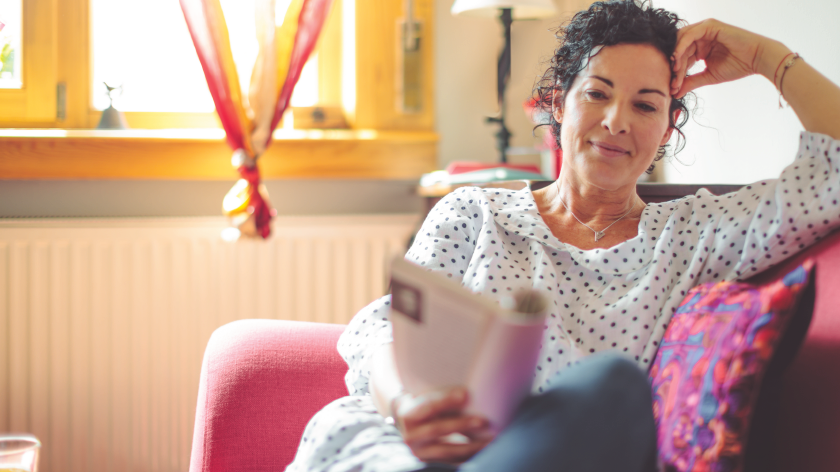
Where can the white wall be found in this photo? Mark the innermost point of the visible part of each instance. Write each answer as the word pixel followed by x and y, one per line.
pixel 738 136
pixel 466 51
pixel 748 138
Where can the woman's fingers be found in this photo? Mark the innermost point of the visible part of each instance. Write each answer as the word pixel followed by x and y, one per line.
pixel 730 53
pixel 680 75
pixel 682 64
pixel 687 38
pixel 450 453
pixel 427 421
pixel 422 408
pixel 433 431
pixel 695 81
pixel 695 43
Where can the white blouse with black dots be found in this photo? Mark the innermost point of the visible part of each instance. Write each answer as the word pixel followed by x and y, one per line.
pixel 621 299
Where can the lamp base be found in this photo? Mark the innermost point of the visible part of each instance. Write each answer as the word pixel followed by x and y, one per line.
pixel 112 119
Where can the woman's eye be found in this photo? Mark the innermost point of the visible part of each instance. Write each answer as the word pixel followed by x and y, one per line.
pixel 594 94
pixel 646 107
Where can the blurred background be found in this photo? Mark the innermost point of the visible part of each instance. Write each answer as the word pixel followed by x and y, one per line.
pixel 113 271
pixel 144 47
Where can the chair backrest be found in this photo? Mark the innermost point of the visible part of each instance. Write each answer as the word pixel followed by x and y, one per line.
pixel 261 382
pixel 807 430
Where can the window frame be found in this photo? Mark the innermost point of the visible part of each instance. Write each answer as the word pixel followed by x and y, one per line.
pixel 382 142
pixel 35 100
pixel 329 86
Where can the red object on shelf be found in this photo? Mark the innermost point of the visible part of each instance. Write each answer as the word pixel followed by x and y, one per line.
pixel 538 117
pixel 460 167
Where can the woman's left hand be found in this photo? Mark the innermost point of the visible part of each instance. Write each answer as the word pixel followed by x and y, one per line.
pixel 730 53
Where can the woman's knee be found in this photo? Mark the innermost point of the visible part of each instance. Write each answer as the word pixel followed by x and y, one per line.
pixel 604 371
pixel 606 382
pixel 603 403
pixel 614 370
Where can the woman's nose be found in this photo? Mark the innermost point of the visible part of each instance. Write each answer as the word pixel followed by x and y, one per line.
pixel 616 120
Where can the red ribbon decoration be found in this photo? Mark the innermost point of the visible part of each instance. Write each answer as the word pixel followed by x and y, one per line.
pixel 261 211
pixel 209 33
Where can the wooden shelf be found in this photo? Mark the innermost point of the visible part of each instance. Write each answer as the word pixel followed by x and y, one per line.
pixel 203 154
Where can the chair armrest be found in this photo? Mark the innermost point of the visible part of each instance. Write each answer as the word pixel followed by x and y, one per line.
pixel 261 382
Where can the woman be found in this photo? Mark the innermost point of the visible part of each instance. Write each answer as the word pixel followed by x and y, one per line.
pixel 617 268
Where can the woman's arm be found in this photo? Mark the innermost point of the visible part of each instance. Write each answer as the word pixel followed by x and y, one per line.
pixel 814 98
pixel 385 385
pixel 731 53
pixel 445 243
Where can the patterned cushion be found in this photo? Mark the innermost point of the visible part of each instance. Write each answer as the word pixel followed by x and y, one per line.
pixel 707 373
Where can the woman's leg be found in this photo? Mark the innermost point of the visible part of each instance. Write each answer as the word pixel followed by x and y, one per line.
pixel 596 417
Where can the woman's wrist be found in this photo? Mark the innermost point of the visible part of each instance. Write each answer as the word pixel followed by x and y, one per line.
pixel 393 406
pixel 771 54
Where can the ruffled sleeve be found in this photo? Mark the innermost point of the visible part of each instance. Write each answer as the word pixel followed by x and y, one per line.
pixel 748 231
pixel 445 243
pixel 365 333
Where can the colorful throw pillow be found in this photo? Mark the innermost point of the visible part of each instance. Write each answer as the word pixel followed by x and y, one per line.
pixel 707 373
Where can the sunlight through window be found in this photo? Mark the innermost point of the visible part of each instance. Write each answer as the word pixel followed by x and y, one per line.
pixel 10 44
pixel 146 48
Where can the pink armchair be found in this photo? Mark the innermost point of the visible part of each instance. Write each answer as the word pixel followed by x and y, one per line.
pixel 262 380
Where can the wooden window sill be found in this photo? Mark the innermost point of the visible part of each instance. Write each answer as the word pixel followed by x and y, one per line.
pixel 203 154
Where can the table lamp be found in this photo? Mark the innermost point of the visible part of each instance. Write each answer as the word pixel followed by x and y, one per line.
pixel 506 11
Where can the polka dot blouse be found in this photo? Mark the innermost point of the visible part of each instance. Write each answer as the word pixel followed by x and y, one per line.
pixel 494 241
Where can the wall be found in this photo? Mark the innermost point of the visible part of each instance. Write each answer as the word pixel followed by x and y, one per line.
pixel 724 146
pixel 466 52
pixel 738 136
pixel 741 136
pixel 98 198
pixel 103 322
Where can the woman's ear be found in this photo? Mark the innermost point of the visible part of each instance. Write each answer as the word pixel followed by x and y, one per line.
pixel 671 129
pixel 667 136
pixel 557 106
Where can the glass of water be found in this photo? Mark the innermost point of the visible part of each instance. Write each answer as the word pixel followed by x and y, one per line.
pixel 19 453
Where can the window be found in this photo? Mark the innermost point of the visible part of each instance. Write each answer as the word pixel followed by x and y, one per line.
pixel 357 68
pixel 145 49
pixel 11 20
pixel 142 47
pixel 27 50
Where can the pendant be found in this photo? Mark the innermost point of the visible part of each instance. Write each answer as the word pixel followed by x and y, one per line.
pixel 599 235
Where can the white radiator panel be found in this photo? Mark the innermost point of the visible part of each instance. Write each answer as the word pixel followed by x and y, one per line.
pixel 103 322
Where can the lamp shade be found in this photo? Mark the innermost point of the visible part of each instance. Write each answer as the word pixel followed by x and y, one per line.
pixel 520 9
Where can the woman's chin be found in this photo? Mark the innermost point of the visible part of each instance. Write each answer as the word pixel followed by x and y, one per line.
pixel 609 179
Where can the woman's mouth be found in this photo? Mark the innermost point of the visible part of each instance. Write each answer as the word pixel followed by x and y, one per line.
pixel 608 150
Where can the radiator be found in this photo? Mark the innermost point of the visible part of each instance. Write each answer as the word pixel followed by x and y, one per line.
pixel 103 322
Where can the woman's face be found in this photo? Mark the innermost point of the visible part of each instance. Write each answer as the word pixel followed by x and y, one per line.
pixel 615 116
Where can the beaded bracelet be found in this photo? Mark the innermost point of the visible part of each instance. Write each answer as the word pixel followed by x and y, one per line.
pixel 788 63
pixel 776 74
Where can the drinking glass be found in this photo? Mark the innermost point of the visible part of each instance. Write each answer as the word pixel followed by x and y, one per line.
pixel 19 453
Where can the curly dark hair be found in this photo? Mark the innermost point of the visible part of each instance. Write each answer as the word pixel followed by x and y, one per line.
pixel 608 24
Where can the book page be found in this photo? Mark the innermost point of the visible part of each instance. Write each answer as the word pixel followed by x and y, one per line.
pixel 504 369
pixel 446 336
pixel 436 335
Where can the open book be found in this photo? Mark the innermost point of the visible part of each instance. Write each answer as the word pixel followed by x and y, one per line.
pixel 446 336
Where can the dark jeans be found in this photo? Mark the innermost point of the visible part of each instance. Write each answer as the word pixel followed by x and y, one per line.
pixel 597 417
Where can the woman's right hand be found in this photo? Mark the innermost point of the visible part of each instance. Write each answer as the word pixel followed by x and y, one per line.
pixel 729 52
pixel 426 421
